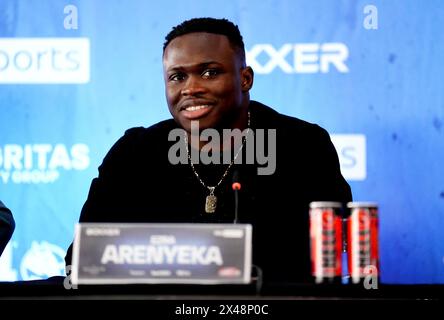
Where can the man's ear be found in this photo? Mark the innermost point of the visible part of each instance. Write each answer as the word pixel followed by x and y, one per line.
pixel 247 77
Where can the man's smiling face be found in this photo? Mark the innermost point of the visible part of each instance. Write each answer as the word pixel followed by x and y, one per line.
pixel 205 81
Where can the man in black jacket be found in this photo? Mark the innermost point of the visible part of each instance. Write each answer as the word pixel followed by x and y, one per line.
pixel 7 226
pixel 207 83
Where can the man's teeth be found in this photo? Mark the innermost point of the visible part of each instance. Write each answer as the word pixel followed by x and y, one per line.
pixel 194 108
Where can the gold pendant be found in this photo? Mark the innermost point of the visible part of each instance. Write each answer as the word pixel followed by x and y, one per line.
pixel 210 203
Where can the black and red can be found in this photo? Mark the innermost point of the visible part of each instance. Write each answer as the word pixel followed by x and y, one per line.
pixel 362 240
pixel 326 241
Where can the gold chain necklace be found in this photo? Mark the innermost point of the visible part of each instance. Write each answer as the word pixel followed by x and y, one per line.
pixel 211 199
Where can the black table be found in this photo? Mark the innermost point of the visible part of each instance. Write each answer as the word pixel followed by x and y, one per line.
pixel 278 300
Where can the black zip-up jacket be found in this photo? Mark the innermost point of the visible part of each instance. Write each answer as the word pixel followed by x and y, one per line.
pixel 137 183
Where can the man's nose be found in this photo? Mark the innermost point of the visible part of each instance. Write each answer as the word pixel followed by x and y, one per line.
pixel 193 86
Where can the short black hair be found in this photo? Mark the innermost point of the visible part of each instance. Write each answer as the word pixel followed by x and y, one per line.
pixel 209 25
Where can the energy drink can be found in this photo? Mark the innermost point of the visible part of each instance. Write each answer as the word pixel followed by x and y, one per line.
pixel 362 242
pixel 326 241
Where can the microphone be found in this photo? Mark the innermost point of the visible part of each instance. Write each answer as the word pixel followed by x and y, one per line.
pixel 256 271
pixel 236 186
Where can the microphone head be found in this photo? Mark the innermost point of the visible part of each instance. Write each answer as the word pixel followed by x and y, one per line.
pixel 236 186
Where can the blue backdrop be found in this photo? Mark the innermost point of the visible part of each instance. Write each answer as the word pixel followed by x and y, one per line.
pixel 74 75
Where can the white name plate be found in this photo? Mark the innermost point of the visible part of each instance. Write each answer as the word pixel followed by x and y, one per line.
pixel 129 253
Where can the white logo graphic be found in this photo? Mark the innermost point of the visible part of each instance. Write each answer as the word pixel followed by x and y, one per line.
pixel 351 150
pixel 42 260
pixel 7 272
pixel 40 163
pixel 44 60
pixel 299 58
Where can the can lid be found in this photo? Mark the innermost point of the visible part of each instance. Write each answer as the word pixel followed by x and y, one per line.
pixel 325 204
pixel 362 204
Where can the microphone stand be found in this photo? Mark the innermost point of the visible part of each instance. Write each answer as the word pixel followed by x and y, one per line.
pixel 236 186
pixel 256 270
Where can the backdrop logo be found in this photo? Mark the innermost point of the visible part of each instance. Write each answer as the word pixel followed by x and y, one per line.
pixel 299 58
pixel 44 60
pixel 7 271
pixel 352 154
pixel 42 260
pixel 40 163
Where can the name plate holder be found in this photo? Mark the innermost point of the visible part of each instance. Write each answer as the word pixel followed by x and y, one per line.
pixel 162 253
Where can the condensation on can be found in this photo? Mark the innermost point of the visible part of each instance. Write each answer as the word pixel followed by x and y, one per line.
pixel 326 240
pixel 362 240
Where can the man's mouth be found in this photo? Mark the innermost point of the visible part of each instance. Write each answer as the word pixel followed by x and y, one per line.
pixel 196 112
pixel 194 108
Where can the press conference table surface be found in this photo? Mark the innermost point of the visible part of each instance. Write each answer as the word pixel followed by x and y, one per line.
pixel 55 288
pixel 274 301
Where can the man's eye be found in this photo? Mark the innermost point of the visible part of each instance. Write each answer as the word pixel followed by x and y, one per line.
pixel 209 73
pixel 177 77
